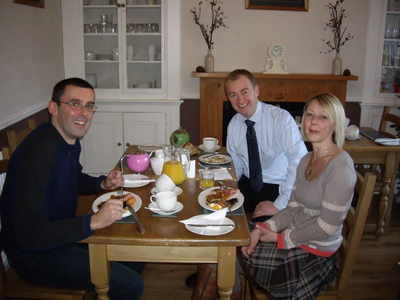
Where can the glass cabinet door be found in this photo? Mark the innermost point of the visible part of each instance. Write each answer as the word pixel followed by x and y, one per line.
pixel 143 44
pixel 101 43
pixel 390 71
pixel 122 44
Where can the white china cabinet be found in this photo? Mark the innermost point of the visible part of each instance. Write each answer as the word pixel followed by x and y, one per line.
pixel 129 50
pixel 382 68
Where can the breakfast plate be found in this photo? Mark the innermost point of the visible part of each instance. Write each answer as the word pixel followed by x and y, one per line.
pixel 203 203
pixel 132 180
pixel 390 144
pixel 211 230
pixel 201 147
pixel 154 208
pixel 177 190
pixel 208 159
pixel 150 147
pixel 107 196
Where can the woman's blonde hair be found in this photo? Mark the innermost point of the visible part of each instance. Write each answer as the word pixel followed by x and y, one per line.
pixel 334 109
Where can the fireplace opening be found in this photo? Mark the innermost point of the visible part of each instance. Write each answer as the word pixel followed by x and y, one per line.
pixel 294 108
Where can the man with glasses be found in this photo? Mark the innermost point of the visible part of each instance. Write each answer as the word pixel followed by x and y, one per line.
pixel 40 230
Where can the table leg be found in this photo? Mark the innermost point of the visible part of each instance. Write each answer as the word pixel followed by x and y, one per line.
pixel 226 271
pixel 100 270
pixel 389 168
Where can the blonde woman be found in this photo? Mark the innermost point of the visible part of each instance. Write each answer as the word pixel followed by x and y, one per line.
pixel 292 255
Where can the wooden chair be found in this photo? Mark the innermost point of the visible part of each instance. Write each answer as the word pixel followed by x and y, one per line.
pixel 388 117
pixel 353 228
pixel 15 138
pixel 13 287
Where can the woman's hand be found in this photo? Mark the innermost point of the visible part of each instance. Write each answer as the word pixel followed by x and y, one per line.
pixel 267 235
pixel 254 238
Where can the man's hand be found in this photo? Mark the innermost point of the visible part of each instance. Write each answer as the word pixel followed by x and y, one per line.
pixel 265 208
pixel 254 238
pixel 110 211
pixel 113 181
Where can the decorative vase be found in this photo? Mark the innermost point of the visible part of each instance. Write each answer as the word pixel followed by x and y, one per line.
pixel 209 62
pixel 337 65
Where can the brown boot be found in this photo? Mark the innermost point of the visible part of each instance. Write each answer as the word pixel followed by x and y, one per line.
pixel 207 281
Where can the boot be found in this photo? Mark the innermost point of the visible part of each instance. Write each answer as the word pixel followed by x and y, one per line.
pixel 206 282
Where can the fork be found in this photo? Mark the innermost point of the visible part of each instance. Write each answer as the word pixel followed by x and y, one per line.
pixel 120 192
pixel 228 205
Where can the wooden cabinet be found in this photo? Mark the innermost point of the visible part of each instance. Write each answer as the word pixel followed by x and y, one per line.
pixel 111 133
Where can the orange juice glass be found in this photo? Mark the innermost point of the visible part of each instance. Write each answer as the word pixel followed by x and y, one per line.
pixel 174 169
pixel 206 179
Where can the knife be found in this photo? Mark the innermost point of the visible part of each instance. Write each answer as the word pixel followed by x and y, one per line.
pixel 135 216
pixel 210 225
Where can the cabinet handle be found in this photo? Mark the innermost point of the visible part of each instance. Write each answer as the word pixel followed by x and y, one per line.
pixel 123 4
pixel 119 5
pixel 127 144
pixel 119 144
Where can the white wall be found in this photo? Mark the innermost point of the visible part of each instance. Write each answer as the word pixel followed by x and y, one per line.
pixel 245 43
pixel 31 58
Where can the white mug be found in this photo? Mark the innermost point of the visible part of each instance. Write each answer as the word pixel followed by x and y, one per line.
pixel 209 143
pixel 157 164
pixel 165 201
pixel 151 52
pixel 90 55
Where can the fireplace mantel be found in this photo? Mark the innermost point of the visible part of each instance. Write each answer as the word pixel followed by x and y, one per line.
pixel 273 88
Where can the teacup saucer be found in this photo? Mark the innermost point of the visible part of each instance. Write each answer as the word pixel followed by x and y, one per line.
pixel 154 208
pixel 177 190
pixel 201 147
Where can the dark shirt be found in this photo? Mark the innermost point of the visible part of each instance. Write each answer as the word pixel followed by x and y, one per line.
pixel 40 195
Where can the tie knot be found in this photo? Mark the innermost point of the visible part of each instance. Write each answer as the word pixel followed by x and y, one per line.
pixel 249 123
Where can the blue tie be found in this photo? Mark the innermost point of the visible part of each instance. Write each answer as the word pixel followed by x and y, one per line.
pixel 256 180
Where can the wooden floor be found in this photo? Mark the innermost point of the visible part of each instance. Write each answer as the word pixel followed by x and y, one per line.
pixel 376 275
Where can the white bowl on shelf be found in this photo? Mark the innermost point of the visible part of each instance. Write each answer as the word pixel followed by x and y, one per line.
pixel 144 85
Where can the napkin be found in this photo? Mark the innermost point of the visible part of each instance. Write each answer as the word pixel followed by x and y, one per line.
pixel 222 174
pixel 214 218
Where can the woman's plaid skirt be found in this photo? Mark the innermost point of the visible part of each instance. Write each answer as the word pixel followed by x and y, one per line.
pixel 290 273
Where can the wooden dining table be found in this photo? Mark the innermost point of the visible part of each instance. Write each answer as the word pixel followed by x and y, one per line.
pixel 367 152
pixel 166 239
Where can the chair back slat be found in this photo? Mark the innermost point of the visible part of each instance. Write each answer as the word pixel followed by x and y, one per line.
pixel 15 138
pixel 388 117
pixel 355 220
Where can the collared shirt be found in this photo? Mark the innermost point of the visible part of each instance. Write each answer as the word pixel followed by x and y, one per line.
pixel 279 143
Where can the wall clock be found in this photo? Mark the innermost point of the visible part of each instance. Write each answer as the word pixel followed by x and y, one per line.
pixel 276 64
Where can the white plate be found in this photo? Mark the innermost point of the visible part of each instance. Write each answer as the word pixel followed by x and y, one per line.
pixel 134 184
pixel 390 144
pixel 201 147
pixel 154 208
pixel 151 147
pixel 177 190
pixel 203 159
pixel 214 230
pixel 107 196
pixel 203 203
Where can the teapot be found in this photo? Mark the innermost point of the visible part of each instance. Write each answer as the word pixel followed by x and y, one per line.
pixel 179 137
pixel 138 161
pixel 174 158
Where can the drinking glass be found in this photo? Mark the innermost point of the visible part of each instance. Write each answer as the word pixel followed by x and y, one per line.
pixel 206 178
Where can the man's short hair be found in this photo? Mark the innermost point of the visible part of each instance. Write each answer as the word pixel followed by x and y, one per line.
pixel 236 74
pixel 59 88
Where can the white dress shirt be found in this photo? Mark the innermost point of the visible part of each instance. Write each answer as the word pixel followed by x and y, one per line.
pixel 279 143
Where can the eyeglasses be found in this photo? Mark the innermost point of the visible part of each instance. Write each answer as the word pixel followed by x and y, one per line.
pixel 78 106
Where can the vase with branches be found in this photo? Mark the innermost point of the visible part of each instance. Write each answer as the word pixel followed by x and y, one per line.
pixel 340 36
pixel 217 21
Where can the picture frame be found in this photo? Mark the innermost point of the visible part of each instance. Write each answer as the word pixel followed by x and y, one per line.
pixel 295 5
pixel 35 3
